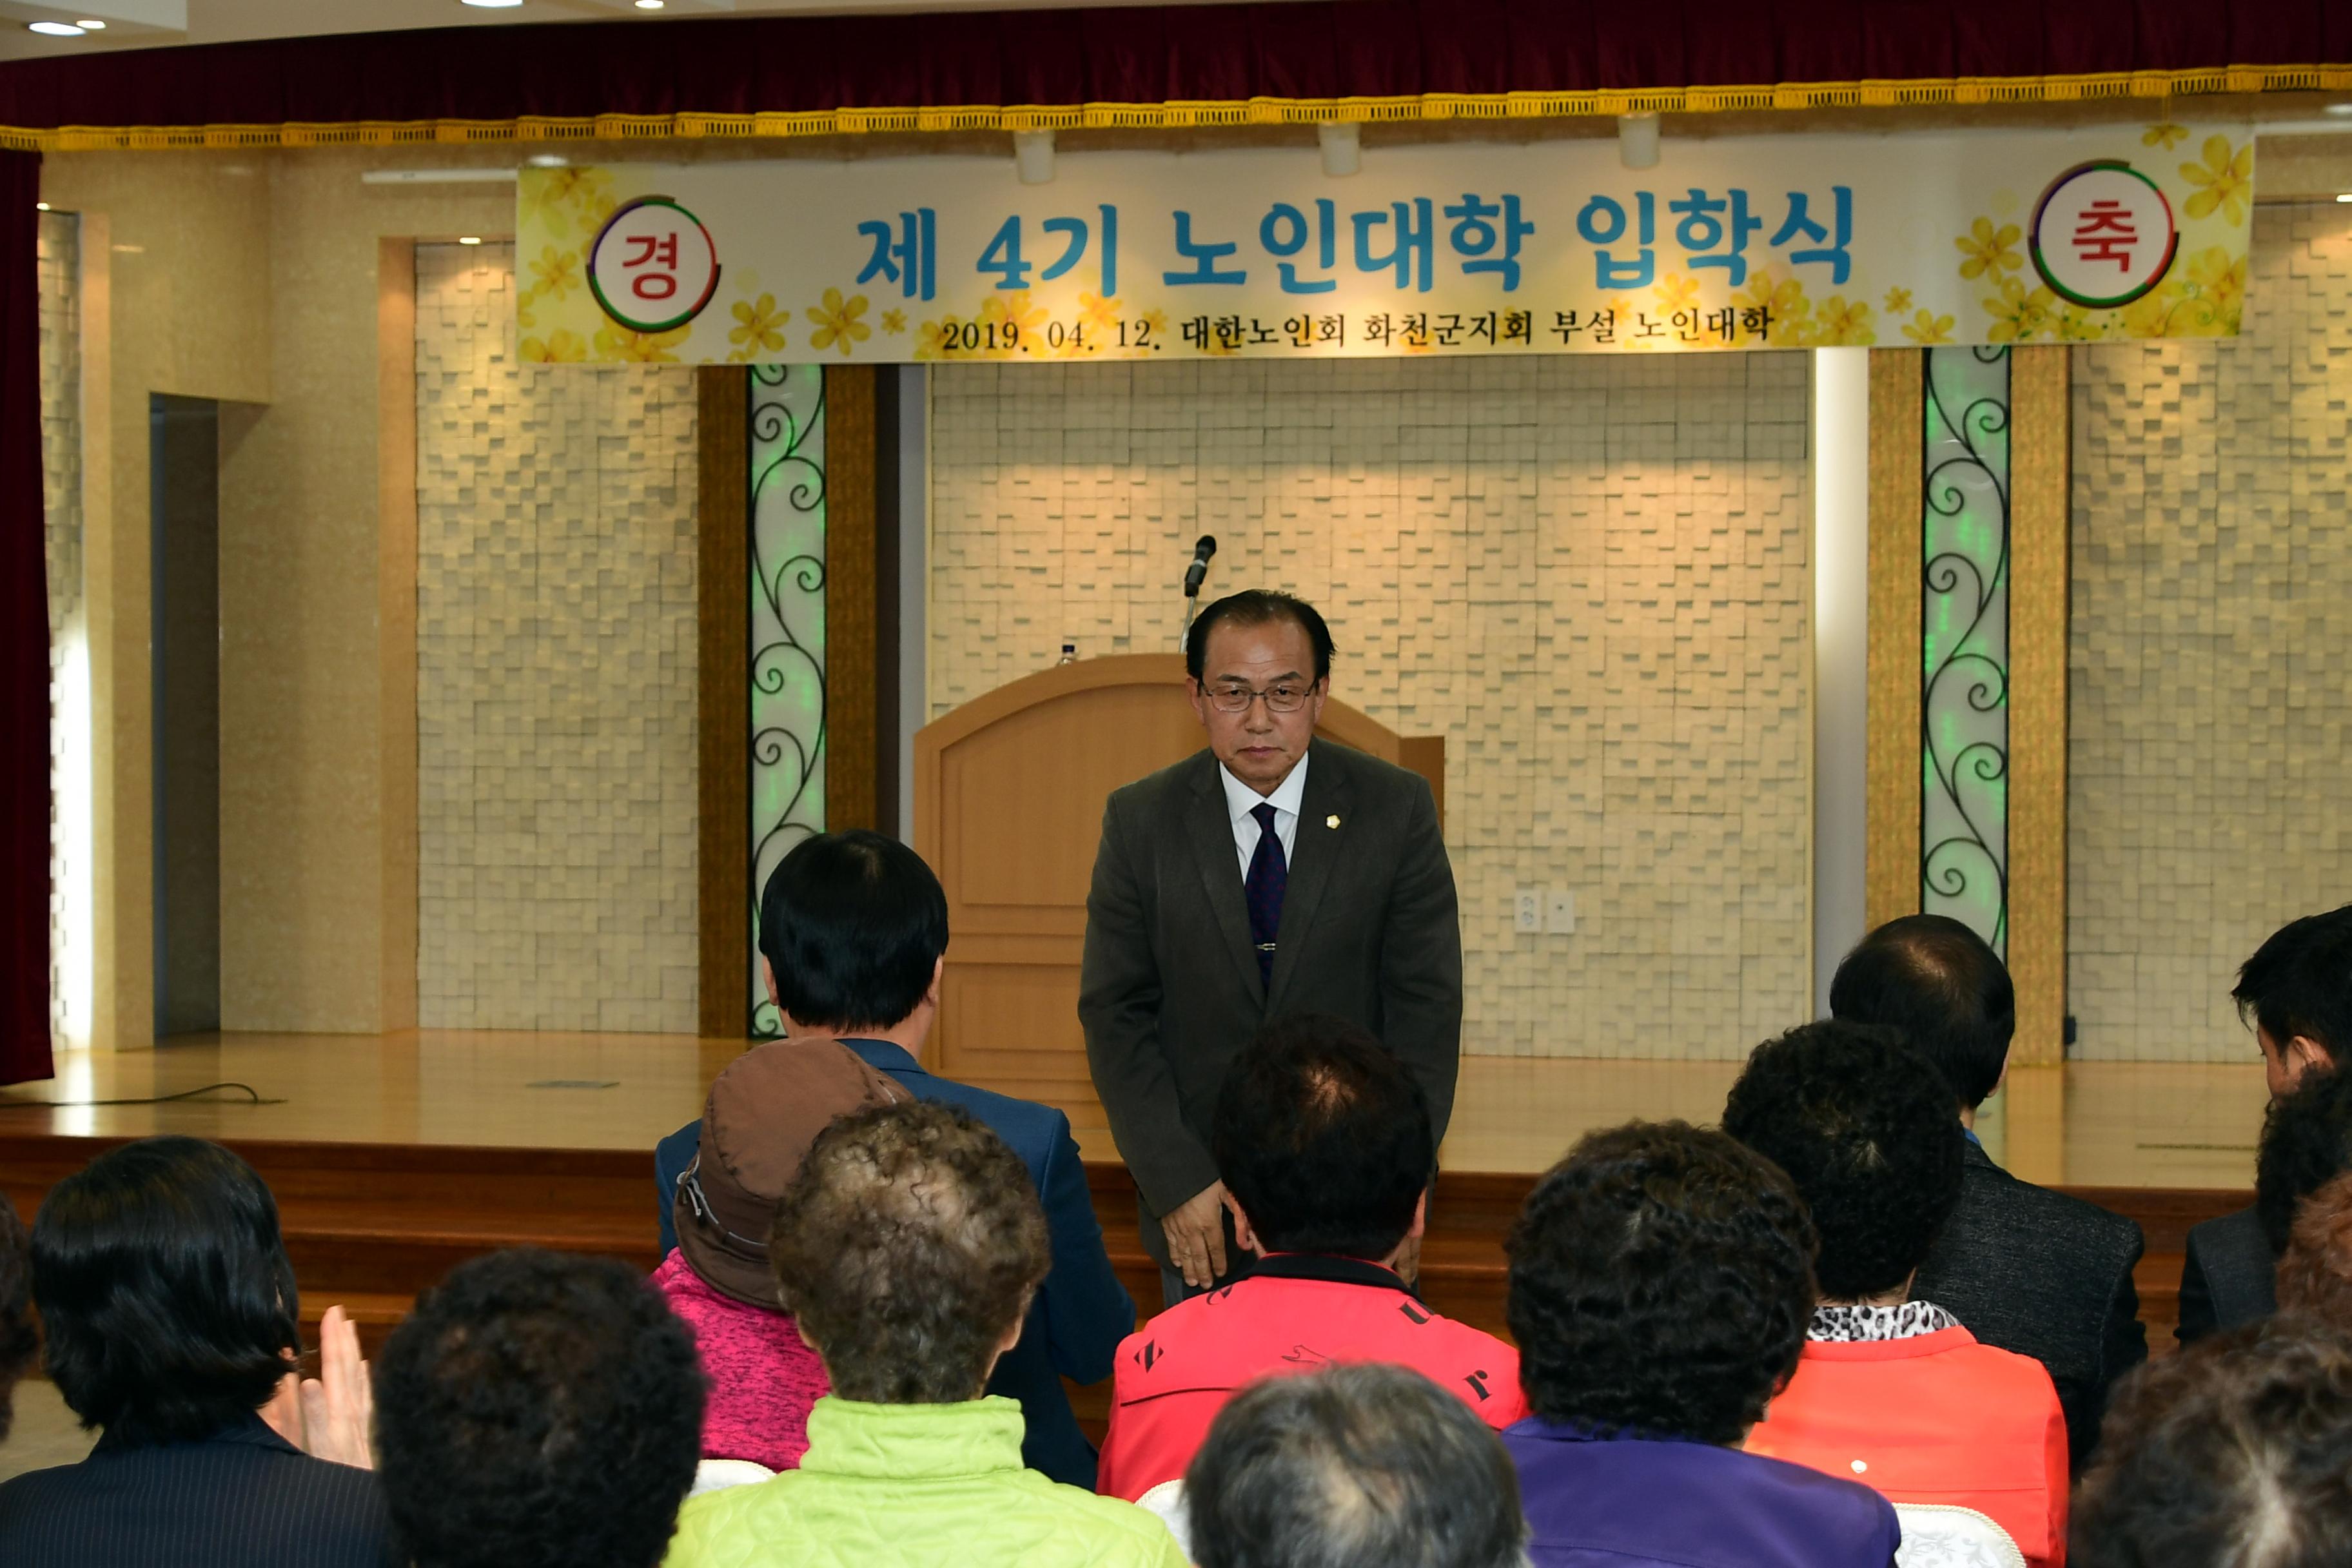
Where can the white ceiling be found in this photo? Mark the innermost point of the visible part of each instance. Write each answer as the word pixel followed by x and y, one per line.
pixel 148 24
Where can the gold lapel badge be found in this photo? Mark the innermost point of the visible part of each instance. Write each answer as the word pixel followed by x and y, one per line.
pixel 1331 821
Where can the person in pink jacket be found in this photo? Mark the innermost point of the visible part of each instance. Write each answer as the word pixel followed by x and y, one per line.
pixel 762 1115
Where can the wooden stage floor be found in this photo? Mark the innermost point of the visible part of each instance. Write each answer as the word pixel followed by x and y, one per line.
pixel 2106 1124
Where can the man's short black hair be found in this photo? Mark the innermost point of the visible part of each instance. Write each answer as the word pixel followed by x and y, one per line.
pixel 2236 1453
pixel 2299 982
pixel 852 924
pixel 2306 1143
pixel 1864 1126
pixel 1662 1283
pixel 1255 607
pixel 164 1290
pixel 1354 1464
pixel 1323 1138
pixel 19 1342
pixel 538 1409
pixel 1934 981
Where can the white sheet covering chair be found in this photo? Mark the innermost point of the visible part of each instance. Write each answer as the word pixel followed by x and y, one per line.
pixel 1939 1535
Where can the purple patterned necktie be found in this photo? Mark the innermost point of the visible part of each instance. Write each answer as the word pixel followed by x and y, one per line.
pixel 1269 875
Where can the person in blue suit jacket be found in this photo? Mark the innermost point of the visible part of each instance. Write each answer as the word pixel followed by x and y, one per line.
pixel 853 927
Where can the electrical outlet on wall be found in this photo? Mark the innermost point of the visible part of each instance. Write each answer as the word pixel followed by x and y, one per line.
pixel 1560 912
pixel 1526 910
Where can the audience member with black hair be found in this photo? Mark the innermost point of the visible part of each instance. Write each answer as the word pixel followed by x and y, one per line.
pixel 19 1342
pixel 1271 872
pixel 852 937
pixel 2295 993
pixel 2235 1454
pixel 538 1411
pixel 171 1320
pixel 1349 1465
pixel 1661 1286
pixel 2306 1143
pixel 1891 1387
pixel 2026 1268
pixel 2315 1275
pixel 1327 1150
pixel 907 1250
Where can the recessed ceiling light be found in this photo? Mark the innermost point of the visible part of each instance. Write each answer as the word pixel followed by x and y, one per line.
pixel 90 25
pixel 547 161
pixel 40 206
pixel 54 29
pixel 649 4
pixel 469 239
pixel 2346 198
pixel 2339 108
pixel 492 4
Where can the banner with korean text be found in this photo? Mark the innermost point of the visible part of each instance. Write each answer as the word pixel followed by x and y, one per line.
pixel 1753 242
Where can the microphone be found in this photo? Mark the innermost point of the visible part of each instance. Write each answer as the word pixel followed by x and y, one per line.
pixel 1196 573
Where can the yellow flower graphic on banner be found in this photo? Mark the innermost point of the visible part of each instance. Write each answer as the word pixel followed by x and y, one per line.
pixel 894 321
pixel 1782 304
pixel 2075 325
pixel 1927 327
pixel 1014 320
pixel 1989 249
pixel 1897 301
pixel 2018 315
pixel 1155 322
pixel 2213 277
pixel 2167 135
pixel 618 346
pixel 1096 313
pixel 837 324
pixel 1841 325
pixel 2150 315
pixel 758 329
pixel 565 195
pixel 1675 291
pixel 555 274
pixel 941 339
pixel 561 347
pixel 2225 182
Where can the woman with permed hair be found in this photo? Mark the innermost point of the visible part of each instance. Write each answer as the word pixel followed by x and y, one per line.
pixel 1892 1390
pixel 1660 1282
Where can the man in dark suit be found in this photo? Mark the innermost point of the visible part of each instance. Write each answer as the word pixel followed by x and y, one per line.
pixel 853 927
pixel 1269 874
pixel 2022 1267
pixel 2296 990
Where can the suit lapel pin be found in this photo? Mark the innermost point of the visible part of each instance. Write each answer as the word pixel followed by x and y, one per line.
pixel 1332 821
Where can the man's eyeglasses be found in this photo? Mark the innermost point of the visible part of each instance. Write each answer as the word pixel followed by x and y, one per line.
pixel 1287 697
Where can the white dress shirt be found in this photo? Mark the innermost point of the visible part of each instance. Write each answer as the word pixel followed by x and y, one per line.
pixel 1241 800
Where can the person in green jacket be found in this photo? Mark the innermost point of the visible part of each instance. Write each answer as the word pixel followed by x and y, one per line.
pixel 907 1251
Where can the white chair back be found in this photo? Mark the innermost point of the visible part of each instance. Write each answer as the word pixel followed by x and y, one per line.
pixel 1939 1535
pixel 1167 1501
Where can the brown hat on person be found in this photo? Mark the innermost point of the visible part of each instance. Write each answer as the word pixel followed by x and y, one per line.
pixel 762 1114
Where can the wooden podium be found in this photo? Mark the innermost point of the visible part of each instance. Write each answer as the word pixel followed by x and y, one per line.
pixel 1009 793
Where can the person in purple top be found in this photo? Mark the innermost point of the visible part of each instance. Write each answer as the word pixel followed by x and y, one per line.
pixel 1662 1279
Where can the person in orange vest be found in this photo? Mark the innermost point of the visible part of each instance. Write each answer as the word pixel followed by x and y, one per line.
pixel 1889 1390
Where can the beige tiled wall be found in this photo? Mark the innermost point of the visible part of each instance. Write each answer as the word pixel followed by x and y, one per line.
pixel 1591 576
pixel 555 674
pixel 60 317
pixel 2210 790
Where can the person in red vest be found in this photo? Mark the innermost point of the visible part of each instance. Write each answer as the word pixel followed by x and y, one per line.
pixel 1324 1142
pixel 1891 1390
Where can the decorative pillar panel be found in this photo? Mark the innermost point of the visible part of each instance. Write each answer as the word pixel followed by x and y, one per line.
pixel 1964 869
pixel 1891 868
pixel 788 625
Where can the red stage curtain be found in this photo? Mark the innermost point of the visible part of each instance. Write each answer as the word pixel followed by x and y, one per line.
pixel 23 638
pixel 1324 48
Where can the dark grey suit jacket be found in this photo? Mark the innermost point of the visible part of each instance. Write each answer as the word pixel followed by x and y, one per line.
pixel 1169 991
pixel 2229 1277
pixel 2042 1274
